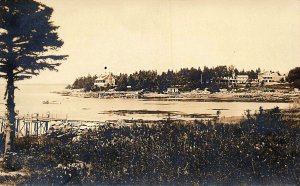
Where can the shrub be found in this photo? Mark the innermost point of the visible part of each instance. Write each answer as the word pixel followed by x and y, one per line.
pixel 261 150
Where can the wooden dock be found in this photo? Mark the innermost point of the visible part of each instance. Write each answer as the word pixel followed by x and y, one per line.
pixel 30 125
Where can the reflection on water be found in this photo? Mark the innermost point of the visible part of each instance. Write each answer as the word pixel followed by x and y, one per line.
pixel 30 98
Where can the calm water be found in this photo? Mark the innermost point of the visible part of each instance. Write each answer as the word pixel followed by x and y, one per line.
pixel 29 99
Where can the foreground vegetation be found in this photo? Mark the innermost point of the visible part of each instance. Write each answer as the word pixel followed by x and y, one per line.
pixel 262 149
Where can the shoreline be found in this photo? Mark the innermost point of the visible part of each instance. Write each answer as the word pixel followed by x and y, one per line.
pixel 83 126
pixel 263 97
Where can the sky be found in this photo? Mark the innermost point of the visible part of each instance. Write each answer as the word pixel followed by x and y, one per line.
pixel 132 35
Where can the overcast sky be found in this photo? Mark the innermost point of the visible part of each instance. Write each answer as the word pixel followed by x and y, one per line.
pixel 129 35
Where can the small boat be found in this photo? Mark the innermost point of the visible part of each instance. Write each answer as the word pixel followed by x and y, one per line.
pixel 66 94
pixel 51 102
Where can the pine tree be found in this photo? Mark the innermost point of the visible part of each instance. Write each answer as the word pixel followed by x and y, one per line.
pixel 27 37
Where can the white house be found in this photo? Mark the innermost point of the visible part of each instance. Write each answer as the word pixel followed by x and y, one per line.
pixel 229 80
pixel 105 80
pixel 269 77
pixel 235 79
pixel 172 90
pixel 242 79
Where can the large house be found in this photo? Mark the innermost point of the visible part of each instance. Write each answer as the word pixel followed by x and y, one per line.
pixel 270 77
pixel 105 80
pixel 241 79
pixel 235 79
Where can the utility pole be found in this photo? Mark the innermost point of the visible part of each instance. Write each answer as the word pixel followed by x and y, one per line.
pixel 201 78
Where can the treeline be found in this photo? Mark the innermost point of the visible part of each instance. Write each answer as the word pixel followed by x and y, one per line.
pixel 294 77
pixel 186 78
pixel 86 83
pixel 262 150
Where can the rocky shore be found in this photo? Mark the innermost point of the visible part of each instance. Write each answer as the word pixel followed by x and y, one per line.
pixel 251 96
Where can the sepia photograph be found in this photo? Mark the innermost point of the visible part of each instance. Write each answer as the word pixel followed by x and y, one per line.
pixel 150 92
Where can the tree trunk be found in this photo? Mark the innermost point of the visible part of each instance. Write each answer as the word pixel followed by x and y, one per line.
pixel 11 115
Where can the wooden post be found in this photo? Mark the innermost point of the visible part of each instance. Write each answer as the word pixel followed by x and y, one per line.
pixel 29 128
pixel 37 128
pixel 26 128
pixel 17 127
pixel 46 126
pixel 34 128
